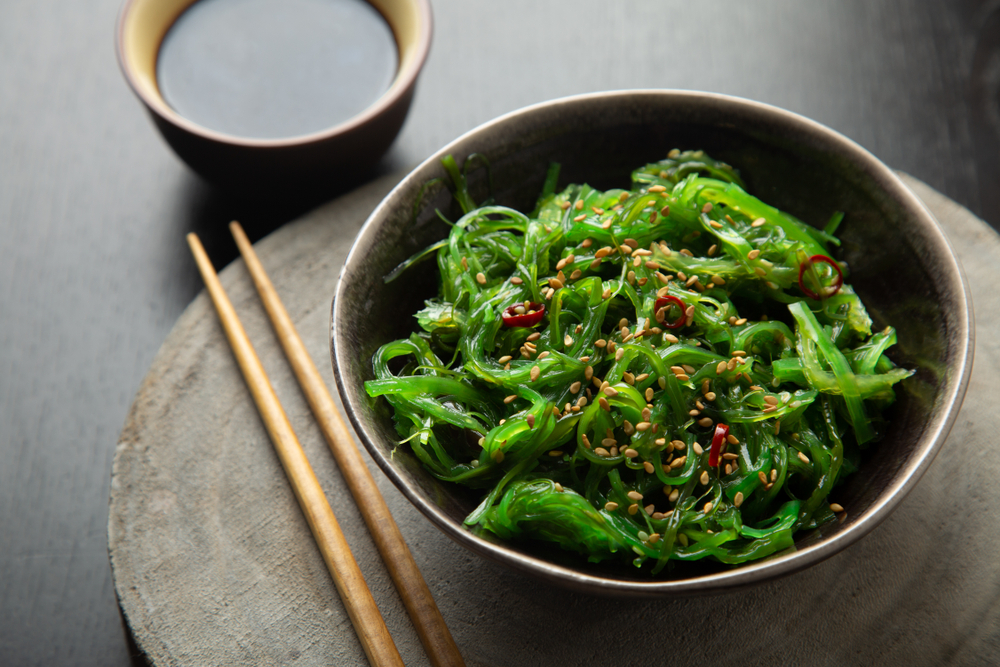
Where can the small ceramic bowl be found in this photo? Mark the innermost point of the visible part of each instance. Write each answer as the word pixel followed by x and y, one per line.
pixel 901 265
pixel 351 146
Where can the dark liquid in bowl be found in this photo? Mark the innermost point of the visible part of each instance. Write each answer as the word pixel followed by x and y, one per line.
pixel 273 69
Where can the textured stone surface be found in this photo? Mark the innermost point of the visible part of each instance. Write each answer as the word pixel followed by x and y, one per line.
pixel 214 563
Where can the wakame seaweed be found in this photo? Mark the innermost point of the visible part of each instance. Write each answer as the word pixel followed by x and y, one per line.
pixel 676 313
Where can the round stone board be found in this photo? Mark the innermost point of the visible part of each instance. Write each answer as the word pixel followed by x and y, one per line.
pixel 214 563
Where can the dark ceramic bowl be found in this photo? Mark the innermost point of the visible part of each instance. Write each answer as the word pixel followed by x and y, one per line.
pixel 344 149
pixel 900 261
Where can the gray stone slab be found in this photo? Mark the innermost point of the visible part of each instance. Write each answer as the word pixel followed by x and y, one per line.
pixel 214 563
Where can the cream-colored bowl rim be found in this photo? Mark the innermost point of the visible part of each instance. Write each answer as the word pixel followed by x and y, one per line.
pixel 142 25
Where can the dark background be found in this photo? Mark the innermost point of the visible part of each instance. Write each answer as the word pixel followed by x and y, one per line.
pixel 94 208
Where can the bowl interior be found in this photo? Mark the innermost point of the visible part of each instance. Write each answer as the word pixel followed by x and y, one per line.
pixel 900 264
pixel 144 23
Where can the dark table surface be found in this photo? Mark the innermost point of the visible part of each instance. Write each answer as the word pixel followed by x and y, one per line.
pixel 94 208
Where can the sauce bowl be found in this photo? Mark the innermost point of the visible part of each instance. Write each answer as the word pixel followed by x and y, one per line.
pixel 348 147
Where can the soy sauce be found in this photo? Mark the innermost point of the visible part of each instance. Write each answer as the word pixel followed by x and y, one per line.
pixel 274 69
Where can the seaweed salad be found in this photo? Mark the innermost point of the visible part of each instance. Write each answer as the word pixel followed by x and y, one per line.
pixel 670 372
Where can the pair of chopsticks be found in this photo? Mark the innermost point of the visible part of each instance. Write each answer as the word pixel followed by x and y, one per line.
pixel 347 577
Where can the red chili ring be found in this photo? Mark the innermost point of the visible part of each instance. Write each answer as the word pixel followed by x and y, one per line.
pixel 665 300
pixel 836 287
pixel 721 432
pixel 529 319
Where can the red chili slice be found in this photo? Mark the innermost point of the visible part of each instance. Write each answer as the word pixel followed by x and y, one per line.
pixel 534 312
pixel 671 300
pixel 721 432
pixel 828 291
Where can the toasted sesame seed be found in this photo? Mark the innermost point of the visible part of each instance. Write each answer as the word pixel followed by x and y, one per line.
pixel 504 359
pixel 674 494
pixel 720 368
pixel 678 462
pixel 657 188
pixel 804 458
pixel 619 354
pixel 662 382
pixel 634 495
pixel 510 399
pixel 683 539
pixel 758 222
pixel 555 452
pixel 690 281
pixel 588 372
pixel 576 274
pixel 633 508
pixel 729 456
pixel 610 392
pixel 604 404
pixel 603 252
pixel 698 449
pixel 481 278
pixel 704 477
pixel 738 500
pixel 533 336
pixel 655 537
pixel 718 280
pixel 762 476
pixel 535 372
pixel 753 254
pixel 579 205
pixel 693 413
pixel 629 378
pixel 732 363
pixel 708 507
pixel 580 218
pixel 597 209
pixel 600 451
pixel 498 456
pixel 649 393
pixel 642 426
pixel 715 224
pixel 705 421
pixel 770 408
pixel 465 263
pixel 759 271
pixel 836 507
pixel 543 355
pixel 774 474
pixel 531 421
pixel 606 224
pixel 561 264
pixel 610 506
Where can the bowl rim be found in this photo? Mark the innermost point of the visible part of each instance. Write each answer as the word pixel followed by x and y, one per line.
pixel 752 573
pixel 403 81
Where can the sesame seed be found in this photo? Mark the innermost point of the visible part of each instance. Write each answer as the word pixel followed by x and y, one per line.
pixel 543 355
pixel 759 271
pixel 579 205
pixel 836 507
pixel 718 280
pixel 708 507
pixel 710 396
pixel 555 452
pixel 640 378
pixel 597 209
pixel 774 474
pixel 758 222
pixel 575 387
pixel 657 188
pixel 510 399
pixel 678 462
pixel 587 243
pixel 534 336
pixel 648 467
pixel 698 449
pixel 568 340
pixel 504 359
pixel 729 456
pixel 588 372
pixel 580 218
pixel 662 278
pixel 633 508
pixel 636 261
pixel 673 495
pixel 642 426
pixel 683 539
pixel 720 368
pixel 729 468
pixel 652 266
pixel 604 404
pixel 498 456
pixel 648 509
pixel 634 495
pixel 804 458
pixel 771 400
pixel 603 252
pixel 693 413
pixel 770 408
pixel 531 421
pixel 631 453
pixel 465 263
pixel 610 506
pixel 678 444
pixel 610 392
pixel 705 421
pixel 619 354
pixel 600 451
pixel 649 393
pixel 738 353
pixel 562 263
pixel 704 477
pixel 753 254
pixel 738 500
pixel 581 402
pixel 576 274
pixel 762 476
pixel 655 537
pixel 606 224
pixel 629 378
pixel 690 281
pixel 715 224
pixel 662 381
pixel 535 372
pixel 481 278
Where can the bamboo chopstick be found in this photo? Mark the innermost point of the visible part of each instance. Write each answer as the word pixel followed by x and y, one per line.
pixel 358 600
pixel 416 596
